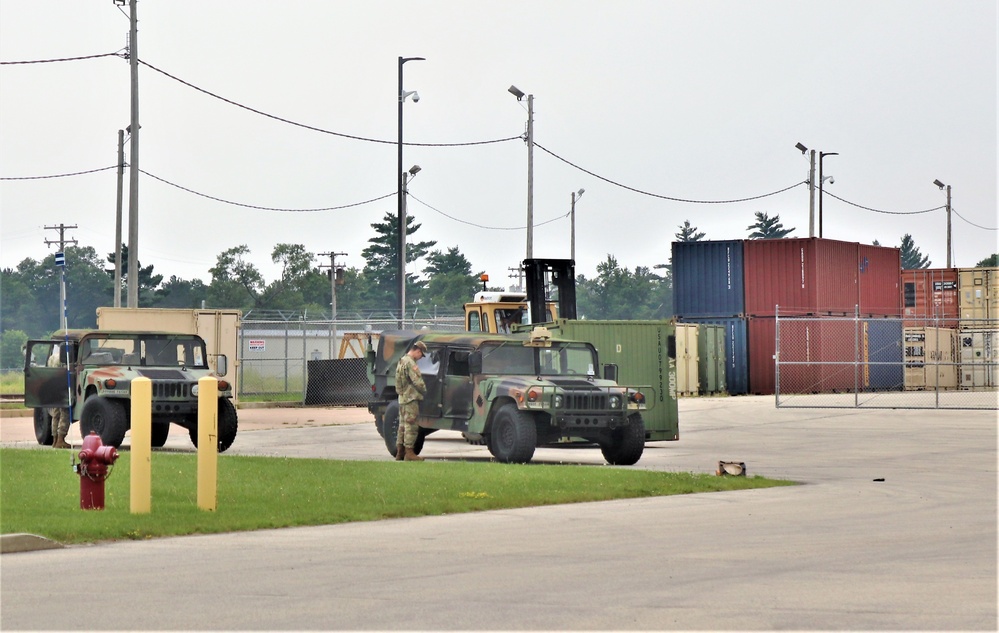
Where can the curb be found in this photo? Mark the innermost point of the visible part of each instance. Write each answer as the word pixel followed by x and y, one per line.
pixel 12 543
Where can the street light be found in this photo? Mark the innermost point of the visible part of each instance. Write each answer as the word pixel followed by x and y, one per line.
pixel 400 225
pixel 402 239
pixel 811 187
pixel 576 195
pixel 821 182
pixel 517 92
pixel 941 186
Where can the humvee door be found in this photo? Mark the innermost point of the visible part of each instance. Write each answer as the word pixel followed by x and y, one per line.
pixel 46 386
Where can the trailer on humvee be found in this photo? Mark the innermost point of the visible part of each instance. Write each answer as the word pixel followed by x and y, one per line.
pixel 511 392
pixel 93 379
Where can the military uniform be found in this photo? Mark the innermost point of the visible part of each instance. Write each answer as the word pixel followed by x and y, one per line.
pixel 410 387
pixel 60 417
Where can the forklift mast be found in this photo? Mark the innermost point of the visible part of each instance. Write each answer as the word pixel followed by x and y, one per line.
pixel 557 273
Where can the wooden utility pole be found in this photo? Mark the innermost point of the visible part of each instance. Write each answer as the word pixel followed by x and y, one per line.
pixel 61 261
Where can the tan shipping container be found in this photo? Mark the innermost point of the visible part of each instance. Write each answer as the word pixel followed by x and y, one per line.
pixel 219 328
pixel 979 288
pixel 929 358
pixel 686 359
pixel 979 358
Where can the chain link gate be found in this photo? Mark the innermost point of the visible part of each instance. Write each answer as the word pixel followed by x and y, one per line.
pixel 885 363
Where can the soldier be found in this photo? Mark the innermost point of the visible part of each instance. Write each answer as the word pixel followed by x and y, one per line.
pixel 60 417
pixel 411 389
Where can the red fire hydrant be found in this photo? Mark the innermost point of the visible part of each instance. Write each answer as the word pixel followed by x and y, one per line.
pixel 93 470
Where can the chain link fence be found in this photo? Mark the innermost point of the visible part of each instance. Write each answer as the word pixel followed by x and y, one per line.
pixel 317 361
pixel 853 362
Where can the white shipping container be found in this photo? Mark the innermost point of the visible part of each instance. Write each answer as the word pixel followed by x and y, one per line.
pixel 979 296
pixel 979 358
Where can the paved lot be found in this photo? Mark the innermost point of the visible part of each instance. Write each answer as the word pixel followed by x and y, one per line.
pixel 844 551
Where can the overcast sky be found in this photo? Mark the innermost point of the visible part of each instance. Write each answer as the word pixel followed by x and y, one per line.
pixel 694 100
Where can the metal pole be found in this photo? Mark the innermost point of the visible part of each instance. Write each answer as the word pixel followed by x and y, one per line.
pixel 821 184
pixel 572 224
pixel 776 356
pixel 402 249
pixel 400 227
pixel 811 194
pixel 948 227
pixel 133 162
pixel 117 223
pixel 530 176
pixel 856 356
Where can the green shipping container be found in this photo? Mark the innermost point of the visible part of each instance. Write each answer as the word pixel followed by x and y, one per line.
pixel 711 353
pixel 645 354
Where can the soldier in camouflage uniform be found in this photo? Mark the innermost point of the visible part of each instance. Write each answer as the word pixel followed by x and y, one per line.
pixel 411 389
pixel 60 417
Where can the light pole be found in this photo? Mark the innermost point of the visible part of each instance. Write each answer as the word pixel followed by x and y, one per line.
pixel 941 186
pixel 811 188
pixel 402 240
pixel 401 268
pixel 821 183
pixel 515 91
pixel 576 195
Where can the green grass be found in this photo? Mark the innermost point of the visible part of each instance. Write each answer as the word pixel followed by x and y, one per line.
pixel 39 494
pixel 12 381
pixel 271 397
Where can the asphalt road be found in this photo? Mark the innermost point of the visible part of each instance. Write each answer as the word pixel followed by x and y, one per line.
pixel 844 550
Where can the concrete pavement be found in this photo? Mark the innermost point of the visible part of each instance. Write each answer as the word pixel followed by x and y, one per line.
pixel 894 528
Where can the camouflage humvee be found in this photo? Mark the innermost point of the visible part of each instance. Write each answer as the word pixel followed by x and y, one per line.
pixel 97 385
pixel 510 392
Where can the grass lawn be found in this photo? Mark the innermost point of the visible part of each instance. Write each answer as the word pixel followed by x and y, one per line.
pixel 39 493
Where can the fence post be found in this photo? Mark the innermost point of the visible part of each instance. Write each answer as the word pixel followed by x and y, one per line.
pixel 856 355
pixel 305 359
pixel 777 356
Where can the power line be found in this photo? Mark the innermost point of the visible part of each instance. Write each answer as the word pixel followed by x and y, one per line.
pixel 663 197
pixel 482 226
pixel 986 228
pixel 318 129
pixel 853 204
pixel 61 59
pixel 75 173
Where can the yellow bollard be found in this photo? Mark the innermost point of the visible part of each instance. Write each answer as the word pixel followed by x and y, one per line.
pixel 142 433
pixel 208 442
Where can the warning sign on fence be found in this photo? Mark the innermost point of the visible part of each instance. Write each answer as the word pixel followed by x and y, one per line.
pixel 257 345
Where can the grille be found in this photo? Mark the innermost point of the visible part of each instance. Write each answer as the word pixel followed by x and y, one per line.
pixel 586 401
pixel 164 389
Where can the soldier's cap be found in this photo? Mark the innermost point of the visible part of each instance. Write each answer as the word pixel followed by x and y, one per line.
pixel 420 345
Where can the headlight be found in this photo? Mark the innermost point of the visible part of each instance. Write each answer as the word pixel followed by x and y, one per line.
pixel 615 402
pixel 194 389
pixel 558 401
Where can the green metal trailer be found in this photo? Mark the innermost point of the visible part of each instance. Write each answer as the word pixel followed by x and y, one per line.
pixel 645 354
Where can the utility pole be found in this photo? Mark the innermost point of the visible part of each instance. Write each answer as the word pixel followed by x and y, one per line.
pixel 811 194
pixel 117 222
pixel 61 261
pixel 133 161
pixel 518 274
pixel 334 279
pixel 530 176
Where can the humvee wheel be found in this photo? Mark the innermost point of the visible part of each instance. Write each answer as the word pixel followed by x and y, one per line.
pixel 513 435
pixel 626 445
pixel 379 425
pixel 390 430
pixel 106 417
pixel 43 426
pixel 160 432
pixel 228 425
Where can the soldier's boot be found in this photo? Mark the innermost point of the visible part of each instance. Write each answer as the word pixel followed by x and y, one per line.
pixel 400 452
pixel 411 455
pixel 60 441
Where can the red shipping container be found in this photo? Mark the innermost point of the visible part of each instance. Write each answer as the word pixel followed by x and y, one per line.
pixel 817 355
pixel 802 276
pixel 930 297
pixel 878 281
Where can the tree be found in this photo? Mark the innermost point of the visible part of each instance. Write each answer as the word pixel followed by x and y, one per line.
pixel 149 294
pixel 382 257
pixel 450 280
pixel 618 293
pixel 11 355
pixel 767 228
pixel 236 283
pixel 989 262
pixel 688 233
pixel 911 257
pixel 296 265
pixel 180 293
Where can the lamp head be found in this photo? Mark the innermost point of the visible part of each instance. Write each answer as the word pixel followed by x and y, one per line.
pixel 939 184
pixel 414 170
pixel 801 148
pixel 580 193
pixel 515 91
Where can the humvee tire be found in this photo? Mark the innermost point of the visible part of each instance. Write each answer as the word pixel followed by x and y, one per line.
pixel 390 429
pixel 106 417
pixel 513 435
pixel 626 444
pixel 228 424
pixel 43 426
pixel 160 432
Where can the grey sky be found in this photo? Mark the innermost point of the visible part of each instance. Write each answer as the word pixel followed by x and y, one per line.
pixel 697 100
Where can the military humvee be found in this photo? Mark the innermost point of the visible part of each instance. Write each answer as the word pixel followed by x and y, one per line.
pixel 97 385
pixel 510 392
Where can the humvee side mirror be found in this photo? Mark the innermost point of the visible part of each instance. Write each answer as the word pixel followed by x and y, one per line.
pixel 221 365
pixel 475 363
pixel 610 372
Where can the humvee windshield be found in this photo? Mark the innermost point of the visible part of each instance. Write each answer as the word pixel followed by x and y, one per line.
pixel 145 350
pixel 561 359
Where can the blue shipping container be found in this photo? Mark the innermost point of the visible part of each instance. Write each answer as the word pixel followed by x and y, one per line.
pixel 736 352
pixel 883 344
pixel 708 279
